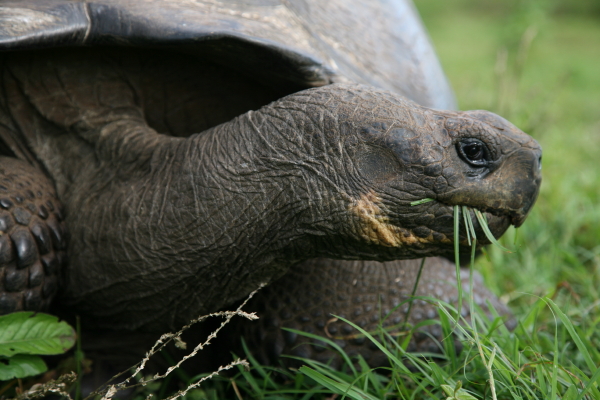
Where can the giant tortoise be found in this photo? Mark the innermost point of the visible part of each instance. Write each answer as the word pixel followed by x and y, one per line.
pixel 193 149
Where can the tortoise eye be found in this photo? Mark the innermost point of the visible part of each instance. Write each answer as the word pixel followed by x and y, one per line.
pixel 474 152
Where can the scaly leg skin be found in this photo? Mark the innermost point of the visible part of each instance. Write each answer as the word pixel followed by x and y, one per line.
pixel 32 238
pixel 363 292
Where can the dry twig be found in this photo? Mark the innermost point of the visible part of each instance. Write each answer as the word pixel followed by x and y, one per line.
pixel 110 390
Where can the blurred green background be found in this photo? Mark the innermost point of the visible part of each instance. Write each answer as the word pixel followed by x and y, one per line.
pixel 537 63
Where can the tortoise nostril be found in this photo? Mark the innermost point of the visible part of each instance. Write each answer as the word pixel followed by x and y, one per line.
pixel 540 162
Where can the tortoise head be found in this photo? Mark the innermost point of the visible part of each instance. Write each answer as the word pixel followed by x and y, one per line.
pixel 499 167
pixel 401 152
pixel 474 158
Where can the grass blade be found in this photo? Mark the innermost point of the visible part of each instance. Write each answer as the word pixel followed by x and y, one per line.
pixel 328 342
pixel 578 342
pixel 423 201
pixel 465 212
pixel 457 261
pixel 590 384
pixel 486 230
pixel 414 291
pixel 342 388
pixel 470 225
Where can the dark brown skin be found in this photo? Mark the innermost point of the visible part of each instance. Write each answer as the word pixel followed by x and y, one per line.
pixel 164 228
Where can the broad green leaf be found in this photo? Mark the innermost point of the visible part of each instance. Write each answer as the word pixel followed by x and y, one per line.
pixel 26 333
pixel 21 366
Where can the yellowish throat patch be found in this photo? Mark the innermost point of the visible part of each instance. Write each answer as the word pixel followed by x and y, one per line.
pixel 375 226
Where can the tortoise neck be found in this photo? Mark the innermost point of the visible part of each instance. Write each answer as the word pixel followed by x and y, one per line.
pixel 210 216
pixel 269 198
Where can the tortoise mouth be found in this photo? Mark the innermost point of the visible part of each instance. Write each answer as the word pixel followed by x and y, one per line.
pixel 516 219
pixel 497 220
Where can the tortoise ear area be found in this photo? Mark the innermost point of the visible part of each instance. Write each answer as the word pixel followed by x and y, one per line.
pixel 377 165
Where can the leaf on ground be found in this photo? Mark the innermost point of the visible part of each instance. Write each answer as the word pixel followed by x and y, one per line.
pixel 21 366
pixel 26 333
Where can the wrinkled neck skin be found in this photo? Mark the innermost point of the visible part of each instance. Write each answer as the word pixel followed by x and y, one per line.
pixel 195 223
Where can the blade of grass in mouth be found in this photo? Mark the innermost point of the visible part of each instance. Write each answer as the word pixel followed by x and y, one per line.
pixel 465 212
pixel 484 225
pixel 470 228
pixel 471 239
pixel 469 222
pixel 423 201
pixel 457 261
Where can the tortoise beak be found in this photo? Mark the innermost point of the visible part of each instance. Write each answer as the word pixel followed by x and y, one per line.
pixel 527 189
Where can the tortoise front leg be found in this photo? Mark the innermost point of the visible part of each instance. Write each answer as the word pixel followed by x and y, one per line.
pixel 32 238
